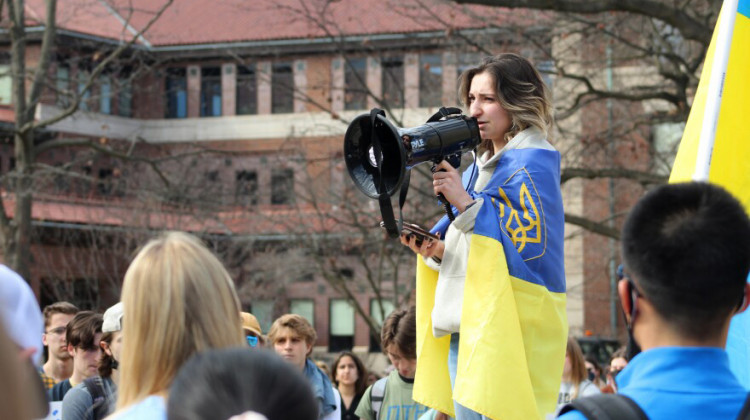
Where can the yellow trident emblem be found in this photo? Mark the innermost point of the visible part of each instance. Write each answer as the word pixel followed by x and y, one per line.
pixel 524 225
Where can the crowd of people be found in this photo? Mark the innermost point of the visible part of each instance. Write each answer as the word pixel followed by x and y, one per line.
pixel 487 337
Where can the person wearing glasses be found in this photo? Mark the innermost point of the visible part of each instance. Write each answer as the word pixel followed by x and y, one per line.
pixel 252 331
pixel 59 364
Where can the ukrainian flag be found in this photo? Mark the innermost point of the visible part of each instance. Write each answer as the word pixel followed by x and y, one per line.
pixel 728 158
pixel 513 323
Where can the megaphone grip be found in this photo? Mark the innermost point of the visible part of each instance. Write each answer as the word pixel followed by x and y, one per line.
pixel 446 207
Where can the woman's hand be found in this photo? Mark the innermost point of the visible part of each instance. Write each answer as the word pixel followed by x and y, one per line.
pixel 430 247
pixel 447 180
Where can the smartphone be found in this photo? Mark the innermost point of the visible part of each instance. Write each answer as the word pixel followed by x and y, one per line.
pixel 418 232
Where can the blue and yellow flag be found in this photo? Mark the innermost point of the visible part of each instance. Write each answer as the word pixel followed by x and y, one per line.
pixel 513 322
pixel 730 158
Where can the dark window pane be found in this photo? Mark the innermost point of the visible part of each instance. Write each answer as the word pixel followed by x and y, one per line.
pixel 247 90
pixel 430 80
pixel 282 186
pixel 211 92
pixel 355 87
pixel 246 188
pixel 393 81
pixel 176 91
pixel 282 88
pixel 104 186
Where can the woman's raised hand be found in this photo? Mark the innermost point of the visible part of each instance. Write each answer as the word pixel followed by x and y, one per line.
pixel 447 180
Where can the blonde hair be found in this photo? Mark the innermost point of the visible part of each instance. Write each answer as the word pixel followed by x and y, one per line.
pixel 577 366
pixel 178 300
pixel 520 91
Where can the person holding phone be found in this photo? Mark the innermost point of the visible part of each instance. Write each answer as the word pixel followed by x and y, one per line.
pixel 494 285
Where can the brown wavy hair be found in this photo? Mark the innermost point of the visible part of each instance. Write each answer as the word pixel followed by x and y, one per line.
pixel 520 91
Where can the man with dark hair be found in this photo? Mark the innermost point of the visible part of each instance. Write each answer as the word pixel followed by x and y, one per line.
pixel 83 335
pixel 686 249
pixel 59 364
pixel 391 397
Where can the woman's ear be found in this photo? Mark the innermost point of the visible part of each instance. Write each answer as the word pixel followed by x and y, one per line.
pixel 105 348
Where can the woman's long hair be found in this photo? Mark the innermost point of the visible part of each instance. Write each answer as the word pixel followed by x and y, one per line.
pixel 577 366
pixel 361 384
pixel 520 90
pixel 179 300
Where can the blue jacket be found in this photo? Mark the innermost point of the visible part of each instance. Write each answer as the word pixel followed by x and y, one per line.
pixel 681 383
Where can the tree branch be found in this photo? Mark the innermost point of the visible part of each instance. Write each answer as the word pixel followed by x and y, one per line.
pixel 591 226
pixel 644 178
pixel 690 27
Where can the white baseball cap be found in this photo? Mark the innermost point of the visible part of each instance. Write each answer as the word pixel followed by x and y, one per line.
pixel 113 318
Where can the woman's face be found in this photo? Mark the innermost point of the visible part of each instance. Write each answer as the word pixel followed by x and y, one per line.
pixel 346 371
pixel 493 119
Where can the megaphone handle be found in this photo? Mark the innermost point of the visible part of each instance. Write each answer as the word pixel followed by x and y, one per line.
pixel 446 207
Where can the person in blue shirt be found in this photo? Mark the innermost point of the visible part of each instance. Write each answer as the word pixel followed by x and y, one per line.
pixel 686 249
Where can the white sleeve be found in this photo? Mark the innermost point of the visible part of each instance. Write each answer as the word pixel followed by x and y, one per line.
pixel 335 414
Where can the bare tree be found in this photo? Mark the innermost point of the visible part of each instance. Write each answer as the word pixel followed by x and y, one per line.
pixel 29 85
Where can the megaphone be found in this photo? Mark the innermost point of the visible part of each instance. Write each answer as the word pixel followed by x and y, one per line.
pixel 378 154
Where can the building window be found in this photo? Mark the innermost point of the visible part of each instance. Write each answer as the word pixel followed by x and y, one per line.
pixel 465 61
pixel 379 317
pixel 62 85
pixel 341 326
pixel 547 70
pixel 62 182
pixel 303 307
pixel 6 81
pixel 282 186
pixel 105 94
pixel 125 96
pixel 355 84
pixel 83 93
pixel 176 86
pixel 211 92
pixel 393 81
pixel 430 80
pixel 282 88
pixel 246 188
pixel 104 186
pixel 263 310
pixel 247 90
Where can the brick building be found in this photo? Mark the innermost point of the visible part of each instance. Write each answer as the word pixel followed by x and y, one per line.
pixel 244 106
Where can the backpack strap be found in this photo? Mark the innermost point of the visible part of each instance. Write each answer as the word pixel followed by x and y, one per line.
pixel 745 412
pixel 95 386
pixel 377 394
pixel 606 407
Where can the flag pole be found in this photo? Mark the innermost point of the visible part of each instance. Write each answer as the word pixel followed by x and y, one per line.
pixel 715 89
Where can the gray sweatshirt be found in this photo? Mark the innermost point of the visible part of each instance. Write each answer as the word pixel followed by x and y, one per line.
pixel 449 294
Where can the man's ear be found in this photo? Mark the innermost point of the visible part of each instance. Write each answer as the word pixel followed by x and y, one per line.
pixel 71 350
pixel 745 299
pixel 623 290
pixel 44 339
